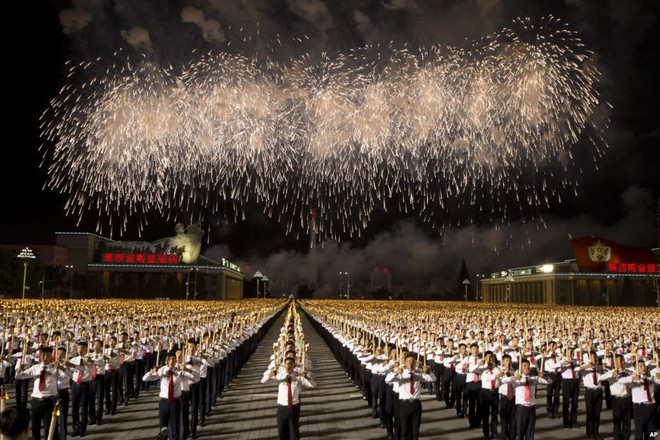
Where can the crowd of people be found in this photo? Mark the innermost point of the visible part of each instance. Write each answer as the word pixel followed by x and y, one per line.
pixel 292 369
pixel 487 362
pixel 72 363
pixel 90 358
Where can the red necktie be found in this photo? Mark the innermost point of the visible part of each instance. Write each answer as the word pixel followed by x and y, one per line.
pixel 572 371
pixel 644 352
pixel 42 380
pixel 412 384
pixel 509 391
pixel 170 387
pixel 94 372
pixel 492 382
pixel 289 394
pixel 647 389
pixel 595 378
pixel 527 391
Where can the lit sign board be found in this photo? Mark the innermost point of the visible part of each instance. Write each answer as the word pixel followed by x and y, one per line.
pixel 131 258
pixel 634 267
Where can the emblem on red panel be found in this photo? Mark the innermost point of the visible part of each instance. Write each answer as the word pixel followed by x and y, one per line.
pixel 599 252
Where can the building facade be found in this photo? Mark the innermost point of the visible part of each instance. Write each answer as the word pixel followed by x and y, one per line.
pixel 612 275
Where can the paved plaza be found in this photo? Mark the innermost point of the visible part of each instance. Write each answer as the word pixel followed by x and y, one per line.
pixel 333 410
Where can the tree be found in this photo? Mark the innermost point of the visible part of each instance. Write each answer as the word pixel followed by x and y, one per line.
pixel 463 275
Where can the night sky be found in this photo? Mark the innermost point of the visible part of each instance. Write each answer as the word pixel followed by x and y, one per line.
pixel 618 198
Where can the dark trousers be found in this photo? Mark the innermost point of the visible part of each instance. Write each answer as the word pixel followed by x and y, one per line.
pixel 448 393
pixel 459 389
pixel 390 396
pixel 470 403
pixel 96 396
pixel 488 404
pixel 570 390
pixel 593 401
pixel 194 407
pixel 185 414
pixel 525 422
pixel 396 417
pixel 507 410
pixel 202 400
pixel 411 419
pixel 127 371
pixel 63 419
pixel 111 390
pixel 376 383
pixel 41 412
pixel 80 404
pixel 552 398
pixel 138 372
pixel 22 392
pixel 622 415
pixel 169 414
pixel 439 371
pixel 644 420
pixel 288 422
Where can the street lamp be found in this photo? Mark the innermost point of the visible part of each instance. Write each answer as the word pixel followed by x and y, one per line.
pixel 466 283
pixel 509 279
pixel 476 294
pixel 70 266
pixel 348 284
pixel 265 281
pixel 258 276
pixel 26 255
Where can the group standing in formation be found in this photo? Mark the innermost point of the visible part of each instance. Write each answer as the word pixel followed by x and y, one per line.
pixel 488 364
pixel 88 358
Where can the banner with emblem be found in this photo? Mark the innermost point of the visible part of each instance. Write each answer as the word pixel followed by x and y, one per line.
pixel 593 254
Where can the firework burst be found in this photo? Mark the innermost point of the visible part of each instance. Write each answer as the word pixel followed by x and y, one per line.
pixel 448 134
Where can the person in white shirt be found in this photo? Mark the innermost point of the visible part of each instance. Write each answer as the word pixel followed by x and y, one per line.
pixel 593 393
pixel 169 407
pixel 82 376
pixel 288 399
pixel 44 393
pixel 410 407
pixel 525 390
pixel 621 399
pixel 489 400
pixel 641 388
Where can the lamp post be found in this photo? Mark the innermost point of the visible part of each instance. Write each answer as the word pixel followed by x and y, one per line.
pixel 258 276
pixel 195 292
pixel 341 285
pixel 70 266
pixel 26 255
pixel 188 285
pixel 476 294
pixel 466 283
pixel 509 279
pixel 265 281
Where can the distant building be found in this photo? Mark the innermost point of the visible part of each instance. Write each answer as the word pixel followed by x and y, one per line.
pixel 603 273
pixel 143 269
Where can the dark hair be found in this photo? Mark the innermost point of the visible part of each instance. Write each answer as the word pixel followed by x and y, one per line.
pixel 14 421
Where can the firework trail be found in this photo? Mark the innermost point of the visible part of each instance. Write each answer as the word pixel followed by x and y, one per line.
pixel 487 133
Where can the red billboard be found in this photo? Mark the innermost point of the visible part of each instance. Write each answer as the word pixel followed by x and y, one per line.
pixel 597 254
